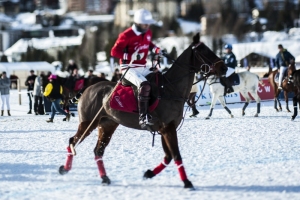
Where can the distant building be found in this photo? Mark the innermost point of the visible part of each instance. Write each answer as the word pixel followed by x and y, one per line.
pixel 90 6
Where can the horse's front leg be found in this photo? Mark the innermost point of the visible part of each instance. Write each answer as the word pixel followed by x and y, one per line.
pixel 169 134
pixel 163 164
pixel 276 100
pixel 73 141
pixel 286 100
pixel 222 101
pixel 105 132
pixel 212 105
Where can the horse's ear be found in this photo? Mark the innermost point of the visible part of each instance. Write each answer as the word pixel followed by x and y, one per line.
pixel 196 38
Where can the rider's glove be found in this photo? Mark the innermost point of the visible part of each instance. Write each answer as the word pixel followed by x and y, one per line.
pixel 136 55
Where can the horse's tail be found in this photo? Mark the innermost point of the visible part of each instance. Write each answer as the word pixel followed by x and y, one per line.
pixel 260 81
pixel 77 96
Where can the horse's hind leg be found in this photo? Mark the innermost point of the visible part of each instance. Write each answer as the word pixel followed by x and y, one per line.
pixel 169 134
pixel 72 142
pixel 257 99
pixel 105 131
pixel 295 101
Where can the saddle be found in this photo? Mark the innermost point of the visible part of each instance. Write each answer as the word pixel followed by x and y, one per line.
pixel 276 77
pixel 234 79
pixel 124 97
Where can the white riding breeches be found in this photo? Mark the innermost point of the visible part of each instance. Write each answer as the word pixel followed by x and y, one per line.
pixel 137 75
pixel 5 99
pixel 281 73
pixel 229 71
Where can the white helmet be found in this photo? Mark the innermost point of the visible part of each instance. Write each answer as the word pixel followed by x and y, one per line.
pixel 143 16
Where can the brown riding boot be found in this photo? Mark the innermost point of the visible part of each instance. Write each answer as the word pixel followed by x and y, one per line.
pixel 8 112
pixel 143 102
pixel 2 112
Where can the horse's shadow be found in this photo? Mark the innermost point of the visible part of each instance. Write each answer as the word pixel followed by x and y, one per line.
pixel 250 188
pixel 219 188
pixel 18 172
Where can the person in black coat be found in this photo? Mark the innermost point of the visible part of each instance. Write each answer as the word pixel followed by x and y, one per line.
pixel 30 85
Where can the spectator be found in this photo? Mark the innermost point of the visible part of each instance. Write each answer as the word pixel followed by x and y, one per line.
pixel 38 105
pixel 4 90
pixel 72 65
pixel 90 75
pixel 71 81
pixel 116 76
pixel 102 75
pixel 30 84
pixel 53 92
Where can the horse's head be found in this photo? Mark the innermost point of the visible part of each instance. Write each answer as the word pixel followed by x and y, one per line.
pixel 291 68
pixel 205 60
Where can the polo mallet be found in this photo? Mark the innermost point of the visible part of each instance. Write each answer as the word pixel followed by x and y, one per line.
pixel 71 145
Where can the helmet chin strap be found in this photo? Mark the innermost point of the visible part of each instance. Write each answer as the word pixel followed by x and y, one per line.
pixel 139 29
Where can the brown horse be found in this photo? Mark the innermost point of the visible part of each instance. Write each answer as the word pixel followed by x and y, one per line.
pixel 94 110
pixel 286 87
pixel 70 92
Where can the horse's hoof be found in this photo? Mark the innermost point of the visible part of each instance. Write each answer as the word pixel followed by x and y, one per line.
pixel 149 174
pixel 288 111
pixel 188 184
pixel 292 118
pixel 105 180
pixel 62 170
pixel 208 117
pixel 256 115
pixel 73 115
pixel 231 116
pixel 243 113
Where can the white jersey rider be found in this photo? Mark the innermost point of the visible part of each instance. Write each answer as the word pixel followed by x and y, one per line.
pixel 132 47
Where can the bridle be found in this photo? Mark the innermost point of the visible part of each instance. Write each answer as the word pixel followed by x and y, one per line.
pixel 205 68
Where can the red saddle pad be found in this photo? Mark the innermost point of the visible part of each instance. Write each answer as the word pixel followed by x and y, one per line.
pixel 123 99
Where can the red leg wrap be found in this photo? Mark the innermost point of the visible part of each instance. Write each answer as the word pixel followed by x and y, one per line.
pixel 160 167
pixel 100 165
pixel 69 160
pixel 181 170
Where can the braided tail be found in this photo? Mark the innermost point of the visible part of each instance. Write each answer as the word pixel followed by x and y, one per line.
pixel 77 96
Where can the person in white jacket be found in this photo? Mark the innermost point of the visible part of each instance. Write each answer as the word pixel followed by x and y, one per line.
pixel 4 90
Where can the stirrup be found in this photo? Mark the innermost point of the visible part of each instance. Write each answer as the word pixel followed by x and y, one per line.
pixel 146 120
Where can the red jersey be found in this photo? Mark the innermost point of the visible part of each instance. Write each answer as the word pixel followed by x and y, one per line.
pixel 128 42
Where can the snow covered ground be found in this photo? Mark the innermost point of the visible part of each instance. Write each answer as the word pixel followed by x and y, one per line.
pixel 238 158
